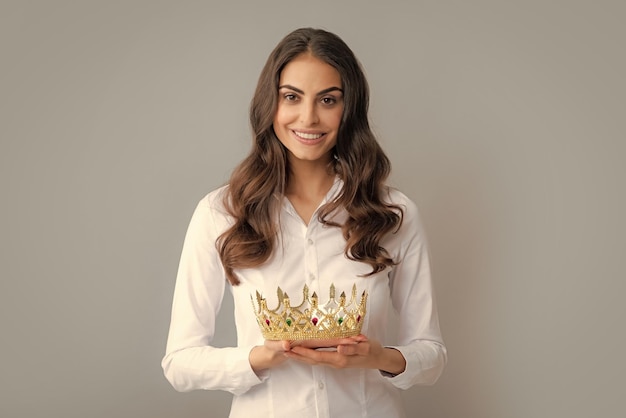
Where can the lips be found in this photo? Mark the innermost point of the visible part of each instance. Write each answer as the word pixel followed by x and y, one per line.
pixel 308 138
pixel 304 135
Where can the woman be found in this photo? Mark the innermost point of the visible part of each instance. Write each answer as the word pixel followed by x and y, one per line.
pixel 308 206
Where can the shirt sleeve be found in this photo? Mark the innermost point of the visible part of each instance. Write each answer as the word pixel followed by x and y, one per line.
pixel 419 335
pixel 190 361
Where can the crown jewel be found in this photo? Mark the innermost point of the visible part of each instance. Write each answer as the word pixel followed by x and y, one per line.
pixel 309 320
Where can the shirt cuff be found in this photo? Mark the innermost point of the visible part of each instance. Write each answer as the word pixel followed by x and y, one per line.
pixel 387 374
pixel 424 365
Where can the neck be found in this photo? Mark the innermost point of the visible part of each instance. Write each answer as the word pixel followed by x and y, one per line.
pixel 309 179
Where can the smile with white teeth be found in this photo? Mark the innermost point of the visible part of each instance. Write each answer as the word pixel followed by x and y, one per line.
pixel 308 136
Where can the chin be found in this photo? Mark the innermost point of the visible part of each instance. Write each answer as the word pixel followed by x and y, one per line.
pixel 324 157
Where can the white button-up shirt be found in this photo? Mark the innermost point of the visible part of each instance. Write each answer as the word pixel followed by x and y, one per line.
pixel 310 254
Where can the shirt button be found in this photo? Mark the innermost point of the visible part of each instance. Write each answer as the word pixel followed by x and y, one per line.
pixel 312 276
pixel 320 385
pixel 310 241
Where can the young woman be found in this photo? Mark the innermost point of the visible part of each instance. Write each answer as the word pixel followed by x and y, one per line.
pixel 308 206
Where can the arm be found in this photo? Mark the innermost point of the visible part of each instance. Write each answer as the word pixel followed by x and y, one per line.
pixel 419 337
pixel 269 355
pixel 190 361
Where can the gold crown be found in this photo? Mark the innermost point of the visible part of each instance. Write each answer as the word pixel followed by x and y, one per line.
pixel 309 320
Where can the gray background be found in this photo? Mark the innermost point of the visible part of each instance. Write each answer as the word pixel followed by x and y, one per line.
pixel 504 121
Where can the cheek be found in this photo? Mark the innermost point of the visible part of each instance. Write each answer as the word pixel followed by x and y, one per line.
pixel 335 118
pixel 283 116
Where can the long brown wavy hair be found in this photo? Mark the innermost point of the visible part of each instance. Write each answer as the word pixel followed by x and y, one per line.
pixel 359 161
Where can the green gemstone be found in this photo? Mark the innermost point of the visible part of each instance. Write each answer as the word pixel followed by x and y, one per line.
pixel 340 320
pixel 288 321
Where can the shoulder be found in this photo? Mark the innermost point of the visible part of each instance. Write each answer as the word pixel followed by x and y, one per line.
pixel 211 209
pixel 411 219
pixel 395 197
pixel 214 200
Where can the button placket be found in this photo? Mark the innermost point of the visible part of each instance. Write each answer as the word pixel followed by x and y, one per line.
pixel 310 255
pixel 321 394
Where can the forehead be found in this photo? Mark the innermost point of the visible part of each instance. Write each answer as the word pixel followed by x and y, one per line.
pixel 305 70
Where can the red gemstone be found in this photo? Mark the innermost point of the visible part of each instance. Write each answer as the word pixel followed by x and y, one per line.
pixel 314 320
pixel 358 318
pixel 267 321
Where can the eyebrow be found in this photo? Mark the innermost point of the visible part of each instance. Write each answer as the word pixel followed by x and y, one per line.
pixel 297 90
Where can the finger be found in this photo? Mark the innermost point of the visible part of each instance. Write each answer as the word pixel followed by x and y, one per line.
pixel 303 359
pixel 275 345
pixel 347 350
pixel 324 343
pixel 309 356
pixel 361 349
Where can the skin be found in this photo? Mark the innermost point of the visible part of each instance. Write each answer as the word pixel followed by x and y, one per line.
pixel 307 120
pixel 308 115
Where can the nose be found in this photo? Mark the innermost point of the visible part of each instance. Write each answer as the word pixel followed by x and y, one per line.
pixel 308 114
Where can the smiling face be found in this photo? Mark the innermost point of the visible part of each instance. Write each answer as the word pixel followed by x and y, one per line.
pixel 310 107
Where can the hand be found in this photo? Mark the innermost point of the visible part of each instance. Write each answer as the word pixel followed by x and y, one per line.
pixel 268 355
pixel 326 343
pixel 273 353
pixel 354 352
